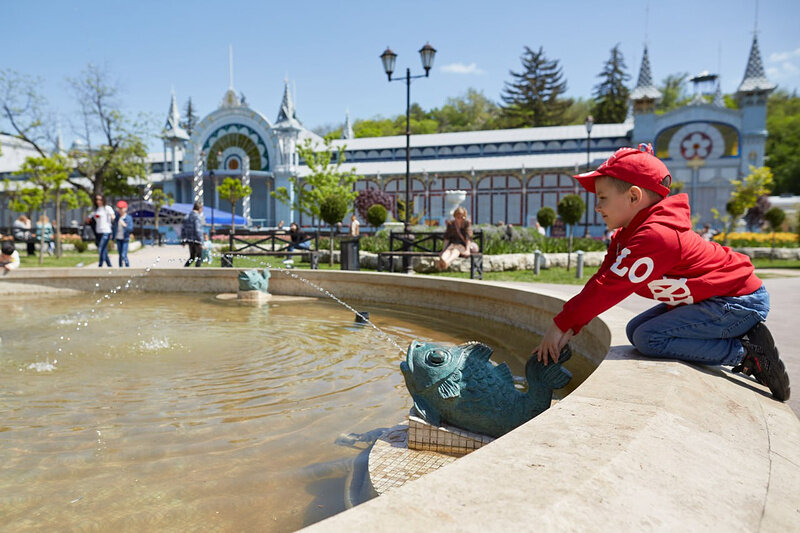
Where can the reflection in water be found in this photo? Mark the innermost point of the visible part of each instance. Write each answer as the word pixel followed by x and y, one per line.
pixel 183 413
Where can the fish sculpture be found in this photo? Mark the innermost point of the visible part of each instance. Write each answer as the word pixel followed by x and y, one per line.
pixel 462 387
pixel 254 280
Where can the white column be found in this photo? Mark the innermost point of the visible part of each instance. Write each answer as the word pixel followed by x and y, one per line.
pixel 197 182
pixel 246 183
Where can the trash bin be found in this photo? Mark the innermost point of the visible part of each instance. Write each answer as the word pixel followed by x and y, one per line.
pixel 349 253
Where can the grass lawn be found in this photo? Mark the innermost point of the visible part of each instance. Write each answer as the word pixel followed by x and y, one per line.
pixel 68 259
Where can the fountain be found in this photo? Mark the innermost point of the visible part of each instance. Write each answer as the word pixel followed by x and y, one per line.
pixel 171 407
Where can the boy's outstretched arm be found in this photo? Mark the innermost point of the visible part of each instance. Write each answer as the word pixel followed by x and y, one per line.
pixel 554 339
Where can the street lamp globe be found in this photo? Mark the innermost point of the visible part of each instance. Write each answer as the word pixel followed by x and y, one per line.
pixel 388 57
pixel 589 123
pixel 426 54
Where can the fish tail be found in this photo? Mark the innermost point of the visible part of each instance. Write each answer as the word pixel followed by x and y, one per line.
pixel 552 376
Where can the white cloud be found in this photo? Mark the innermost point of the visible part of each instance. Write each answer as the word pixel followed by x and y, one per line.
pixel 461 68
pixel 778 57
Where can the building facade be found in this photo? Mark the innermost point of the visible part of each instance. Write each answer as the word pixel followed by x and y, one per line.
pixel 508 175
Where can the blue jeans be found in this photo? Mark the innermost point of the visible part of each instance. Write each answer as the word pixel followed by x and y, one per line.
pixel 706 332
pixel 304 245
pixel 122 248
pixel 102 247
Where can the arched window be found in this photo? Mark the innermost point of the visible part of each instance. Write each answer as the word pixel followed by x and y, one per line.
pixel 499 198
pixel 546 190
pixel 438 187
pixel 397 189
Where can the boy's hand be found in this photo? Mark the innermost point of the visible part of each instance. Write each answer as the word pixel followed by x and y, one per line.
pixel 552 342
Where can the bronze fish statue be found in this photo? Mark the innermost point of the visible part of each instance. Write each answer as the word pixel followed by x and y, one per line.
pixel 462 387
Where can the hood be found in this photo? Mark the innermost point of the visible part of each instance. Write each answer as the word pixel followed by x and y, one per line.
pixel 672 212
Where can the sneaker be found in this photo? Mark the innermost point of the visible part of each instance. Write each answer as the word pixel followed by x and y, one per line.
pixel 762 361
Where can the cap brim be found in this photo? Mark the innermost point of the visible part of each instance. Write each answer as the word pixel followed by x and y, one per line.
pixel 587 179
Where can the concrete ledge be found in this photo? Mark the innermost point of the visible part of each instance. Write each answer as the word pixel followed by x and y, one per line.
pixel 640 445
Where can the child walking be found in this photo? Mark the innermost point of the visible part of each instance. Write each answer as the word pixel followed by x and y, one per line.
pixel 713 306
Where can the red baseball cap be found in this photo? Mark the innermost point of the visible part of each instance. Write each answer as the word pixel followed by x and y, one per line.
pixel 636 166
pixel 122 204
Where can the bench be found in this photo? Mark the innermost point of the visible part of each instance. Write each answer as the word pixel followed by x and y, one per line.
pixel 426 244
pixel 271 243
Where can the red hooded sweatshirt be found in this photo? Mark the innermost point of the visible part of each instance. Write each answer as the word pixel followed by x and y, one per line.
pixel 658 256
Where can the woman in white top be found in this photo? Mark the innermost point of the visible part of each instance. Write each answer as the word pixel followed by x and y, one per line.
pixel 103 217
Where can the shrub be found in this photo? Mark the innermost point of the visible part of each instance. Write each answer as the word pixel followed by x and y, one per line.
pixel 755 240
pixel 546 216
pixel 376 215
pixel 369 197
pixel 81 246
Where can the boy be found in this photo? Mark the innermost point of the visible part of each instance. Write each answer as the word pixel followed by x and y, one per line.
pixel 713 306
pixel 9 258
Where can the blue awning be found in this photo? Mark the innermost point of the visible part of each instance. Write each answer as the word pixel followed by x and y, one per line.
pixel 178 211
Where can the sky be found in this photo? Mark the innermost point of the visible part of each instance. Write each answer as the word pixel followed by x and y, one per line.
pixel 329 51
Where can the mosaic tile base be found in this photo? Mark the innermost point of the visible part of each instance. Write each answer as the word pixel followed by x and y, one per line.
pixel 444 439
pixel 392 464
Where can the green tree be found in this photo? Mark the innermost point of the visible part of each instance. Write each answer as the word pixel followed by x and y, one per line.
pixel 783 141
pixel 546 217
pixel 570 209
pixel 611 94
pixel 48 174
pixel 534 96
pixel 24 109
pixel 22 199
pixel 745 194
pixel 159 199
pixel 190 119
pixel 325 178
pixel 232 190
pixel 121 153
pixel 673 92
pixel 377 127
pixel 775 217
pixel 470 112
pixel 376 215
pixel 332 209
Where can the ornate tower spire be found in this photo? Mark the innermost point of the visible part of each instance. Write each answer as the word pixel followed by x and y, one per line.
pixel 231 99
pixel 347 130
pixel 287 112
pixel 755 81
pixel 645 94
pixel 172 129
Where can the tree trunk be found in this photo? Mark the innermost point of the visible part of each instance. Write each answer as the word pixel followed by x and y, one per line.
pixel 569 254
pixel 331 257
pixel 57 226
pixel 157 236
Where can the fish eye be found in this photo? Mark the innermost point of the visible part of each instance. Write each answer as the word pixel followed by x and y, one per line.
pixel 436 358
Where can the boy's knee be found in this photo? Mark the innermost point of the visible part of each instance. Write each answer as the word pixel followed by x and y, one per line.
pixel 642 340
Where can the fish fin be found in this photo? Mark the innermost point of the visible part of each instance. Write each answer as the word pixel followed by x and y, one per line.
pixel 504 373
pixel 553 376
pixel 477 349
pixel 449 389
pixel 427 412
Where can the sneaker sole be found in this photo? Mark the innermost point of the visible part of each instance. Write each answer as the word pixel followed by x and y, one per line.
pixel 776 377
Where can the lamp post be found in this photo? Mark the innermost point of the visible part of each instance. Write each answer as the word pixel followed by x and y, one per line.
pixel 588 123
pixel 426 54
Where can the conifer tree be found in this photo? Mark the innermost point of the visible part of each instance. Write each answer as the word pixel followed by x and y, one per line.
pixel 533 97
pixel 611 94
pixel 190 120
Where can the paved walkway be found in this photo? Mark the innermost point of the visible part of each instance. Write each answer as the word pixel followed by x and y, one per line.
pixel 783 291
pixel 167 256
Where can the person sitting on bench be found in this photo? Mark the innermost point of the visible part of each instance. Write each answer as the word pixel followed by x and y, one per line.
pixel 298 238
pixel 457 239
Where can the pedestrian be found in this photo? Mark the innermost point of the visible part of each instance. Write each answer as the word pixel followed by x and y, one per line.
pixel 192 234
pixel 713 306
pixel 21 231
pixel 103 218
pixel 44 233
pixel 355 226
pixel 121 229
